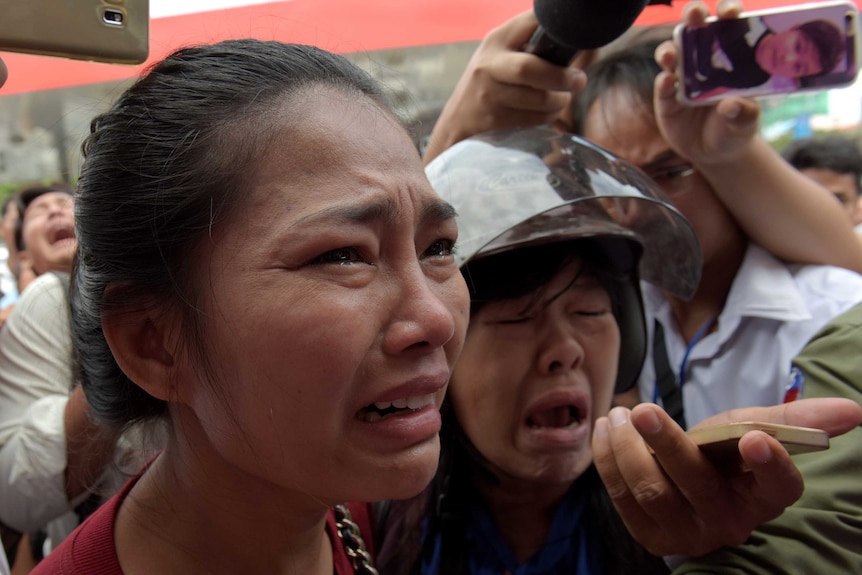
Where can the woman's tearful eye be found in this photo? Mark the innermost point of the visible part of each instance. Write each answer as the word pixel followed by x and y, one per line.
pixel 440 249
pixel 341 256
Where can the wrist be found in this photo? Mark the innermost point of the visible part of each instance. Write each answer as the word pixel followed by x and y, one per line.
pixel 728 163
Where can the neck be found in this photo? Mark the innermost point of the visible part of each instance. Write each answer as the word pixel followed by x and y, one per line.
pixel 523 511
pixel 708 302
pixel 192 512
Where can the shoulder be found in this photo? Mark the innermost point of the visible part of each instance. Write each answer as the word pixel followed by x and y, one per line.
pixel 44 296
pixel 46 283
pixel 89 549
pixel 834 283
pixel 829 361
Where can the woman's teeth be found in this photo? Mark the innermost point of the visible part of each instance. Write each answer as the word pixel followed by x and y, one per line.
pixel 381 409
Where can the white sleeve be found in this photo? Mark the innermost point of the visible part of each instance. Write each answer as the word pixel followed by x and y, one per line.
pixel 4 565
pixel 35 380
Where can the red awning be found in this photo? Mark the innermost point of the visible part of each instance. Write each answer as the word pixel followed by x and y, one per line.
pixel 338 25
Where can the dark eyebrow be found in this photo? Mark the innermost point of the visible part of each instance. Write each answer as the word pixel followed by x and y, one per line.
pixel 437 211
pixel 660 159
pixel 381 210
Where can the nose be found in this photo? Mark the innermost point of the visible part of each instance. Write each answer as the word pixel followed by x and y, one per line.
pixel 424 313
pixel 60 207
pixel 560 349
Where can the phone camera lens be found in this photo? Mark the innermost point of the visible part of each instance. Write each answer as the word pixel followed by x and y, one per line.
pixel 113 17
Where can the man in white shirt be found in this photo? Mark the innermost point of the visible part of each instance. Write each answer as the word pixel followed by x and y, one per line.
pixel 731 345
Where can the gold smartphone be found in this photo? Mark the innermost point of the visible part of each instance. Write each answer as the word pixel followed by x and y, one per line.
pixel 115 31
pixel 720 442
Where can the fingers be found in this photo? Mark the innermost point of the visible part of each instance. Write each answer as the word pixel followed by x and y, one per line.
pixel 776 483
pixel 530 70
pixel 637 521
pixel 516 31
pixel 694 14
pixel 678 501
pixel 728 9
pixel 833 415
pixel 636 484
pixel 666 103
pixel 666 55
pixel 691 472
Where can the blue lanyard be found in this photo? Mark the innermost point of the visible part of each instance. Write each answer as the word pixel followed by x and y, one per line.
pixel 697 337
pixel 682 368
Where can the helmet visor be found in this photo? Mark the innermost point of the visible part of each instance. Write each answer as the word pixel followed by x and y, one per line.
pixel 517 188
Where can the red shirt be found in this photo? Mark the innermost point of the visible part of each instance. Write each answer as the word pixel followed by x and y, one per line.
pixel 90 548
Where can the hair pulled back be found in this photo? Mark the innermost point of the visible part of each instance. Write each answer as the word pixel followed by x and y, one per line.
pixel 165 164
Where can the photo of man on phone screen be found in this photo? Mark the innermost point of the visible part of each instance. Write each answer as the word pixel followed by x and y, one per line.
pixel 746 53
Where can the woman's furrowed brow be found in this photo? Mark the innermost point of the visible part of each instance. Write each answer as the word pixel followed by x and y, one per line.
pixel 383 210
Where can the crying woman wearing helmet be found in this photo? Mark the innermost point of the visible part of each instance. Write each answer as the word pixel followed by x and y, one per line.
pixel 555 235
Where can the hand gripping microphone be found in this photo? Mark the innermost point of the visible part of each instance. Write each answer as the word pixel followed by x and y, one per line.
pixel 567 26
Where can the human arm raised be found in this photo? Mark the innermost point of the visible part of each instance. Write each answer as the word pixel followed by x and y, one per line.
pixel 504 87
pixel 779 208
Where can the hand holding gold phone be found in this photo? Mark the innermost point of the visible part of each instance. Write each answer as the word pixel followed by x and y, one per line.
pixel 115 31
pixel 720 442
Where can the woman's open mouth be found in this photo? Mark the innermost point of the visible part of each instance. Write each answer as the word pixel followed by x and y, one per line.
pixel 555 417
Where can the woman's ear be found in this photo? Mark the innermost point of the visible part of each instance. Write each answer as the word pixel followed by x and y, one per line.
pixel 144 338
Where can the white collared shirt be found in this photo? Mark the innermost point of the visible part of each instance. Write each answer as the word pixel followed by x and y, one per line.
pixel 771 312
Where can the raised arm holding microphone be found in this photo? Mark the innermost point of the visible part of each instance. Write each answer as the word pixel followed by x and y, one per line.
pixel 504 87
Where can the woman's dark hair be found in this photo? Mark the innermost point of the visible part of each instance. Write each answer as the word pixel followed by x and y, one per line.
pixel 443 507
pixel 166 164
pixel 634 68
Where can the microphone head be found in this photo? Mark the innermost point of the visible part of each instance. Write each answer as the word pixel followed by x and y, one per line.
pixel 586 24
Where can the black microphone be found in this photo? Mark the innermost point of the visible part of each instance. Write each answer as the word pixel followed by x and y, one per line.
pixel 567 26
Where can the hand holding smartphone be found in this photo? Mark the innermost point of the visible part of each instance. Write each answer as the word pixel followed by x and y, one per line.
pixel 804 47
pixel 114 31
pixel 720 442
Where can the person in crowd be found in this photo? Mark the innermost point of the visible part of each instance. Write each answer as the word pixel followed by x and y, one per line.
pixel 284 297
pixel 731 344
pixel 279 291
pixel 8 216
pixel 18 262
pixel 552 232
pixel 833 162
pixel 4 565
pixel 51 452
pixel 45 228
